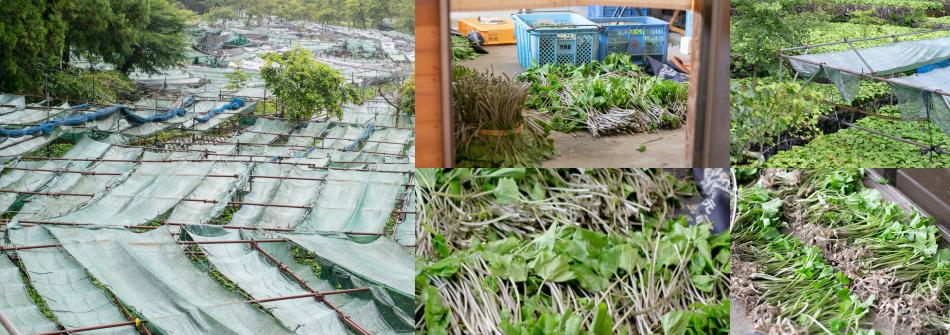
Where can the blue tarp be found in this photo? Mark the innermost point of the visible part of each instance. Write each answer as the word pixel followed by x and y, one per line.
pixel 75 120
pixel 234 105
pixel 359 140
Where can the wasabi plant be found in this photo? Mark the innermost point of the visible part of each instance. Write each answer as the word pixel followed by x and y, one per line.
pixel 536 251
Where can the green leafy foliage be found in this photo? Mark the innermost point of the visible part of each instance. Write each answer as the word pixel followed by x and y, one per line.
pixel 857 148
pixel 407 96
pixel 98 86
pixel 604 97
pixel 763 111
pixel 873 240
pixel 305 86
pixel 462 48
pixel 555 274
pixel 759 29
pixel 237 79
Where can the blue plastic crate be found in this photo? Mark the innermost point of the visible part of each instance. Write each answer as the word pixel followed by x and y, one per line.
pixel 616 11
pixel 637 36
pixel 555 38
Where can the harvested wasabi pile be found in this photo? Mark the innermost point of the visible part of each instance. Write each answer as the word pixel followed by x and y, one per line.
pixel 818 252
pixel 564 251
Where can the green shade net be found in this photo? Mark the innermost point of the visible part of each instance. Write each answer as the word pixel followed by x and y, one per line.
pixel 250 270
pixel 375 310
pixel 406 230
pixel 384 140
pixel 299 192
pixel 22 180
pixel 355 201
pixel 312 130
pixel 375 260
pixel 219 189
pixel 45 206
pixel 152 189
pixel 64 285
pixel 16 304
pixel 150 273
pixel 340 135
pixel 916 103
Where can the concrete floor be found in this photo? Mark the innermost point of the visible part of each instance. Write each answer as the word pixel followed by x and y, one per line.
pixel 580 149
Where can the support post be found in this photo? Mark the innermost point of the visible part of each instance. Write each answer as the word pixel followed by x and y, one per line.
pixel 7 324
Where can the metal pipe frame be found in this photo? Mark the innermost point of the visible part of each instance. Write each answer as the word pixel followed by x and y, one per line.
pixel 313 166
pixel 7 324
pixel 207 201
pixel 92 173
pixel 183 224
pixel 135 323
pixel 301 147
pixel 316 294
pixel 314 137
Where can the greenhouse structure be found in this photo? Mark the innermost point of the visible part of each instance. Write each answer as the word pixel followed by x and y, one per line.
pixel 922 95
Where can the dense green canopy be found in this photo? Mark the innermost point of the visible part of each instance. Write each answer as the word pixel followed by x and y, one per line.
pixel 37 38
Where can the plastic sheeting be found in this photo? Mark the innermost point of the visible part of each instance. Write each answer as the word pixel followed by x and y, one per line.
pixel 31 113
pixel 149 191
pixel 11 102
pixel 22 180
pixel 45 206
pixel 217 188
pixel 150 273
pixel 258 277
pixel 16 304
pixel 355 201
pixel 279 191
pixel 64 285
pixel 12 147
pixel 884 60
pixel 915 103
pixel 375 260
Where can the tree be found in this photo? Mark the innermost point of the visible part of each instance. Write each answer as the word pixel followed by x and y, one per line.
pixel 761 28
pixel 222 14
pixel 406 16
pixel 31 35
pixel 159 40
pixel 305 86
pixel 237 79
pixel 358 12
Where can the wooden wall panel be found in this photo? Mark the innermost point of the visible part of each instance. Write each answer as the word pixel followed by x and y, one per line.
pixel 429 134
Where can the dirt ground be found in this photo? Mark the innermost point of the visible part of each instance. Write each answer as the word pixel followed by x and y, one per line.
pixel 663 149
